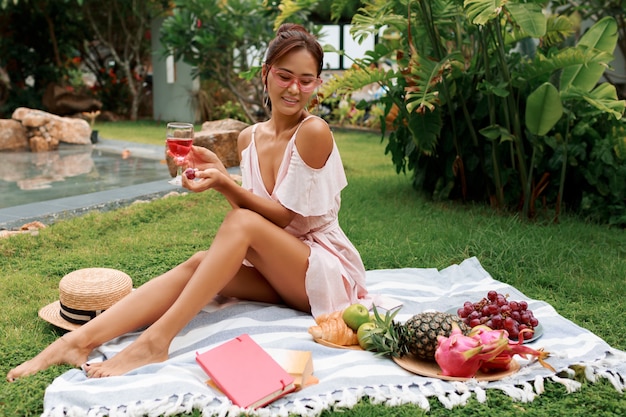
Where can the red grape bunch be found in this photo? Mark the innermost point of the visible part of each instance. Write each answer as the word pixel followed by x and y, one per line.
pixel 497 312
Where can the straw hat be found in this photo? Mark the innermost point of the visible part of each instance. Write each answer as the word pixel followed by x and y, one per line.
pixel 84 294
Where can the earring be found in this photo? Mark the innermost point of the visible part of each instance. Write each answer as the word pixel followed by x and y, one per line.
pixel 266 97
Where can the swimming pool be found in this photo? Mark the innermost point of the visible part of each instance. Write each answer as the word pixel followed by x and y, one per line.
pixel 49 185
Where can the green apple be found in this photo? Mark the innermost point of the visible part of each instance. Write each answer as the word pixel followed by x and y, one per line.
pixel 364 334
pixel 355 315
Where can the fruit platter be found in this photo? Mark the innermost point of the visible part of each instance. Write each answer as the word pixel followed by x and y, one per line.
pixel 458 344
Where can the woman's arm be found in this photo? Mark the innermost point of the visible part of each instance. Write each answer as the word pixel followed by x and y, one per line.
pixel 242 198
pixel 213 175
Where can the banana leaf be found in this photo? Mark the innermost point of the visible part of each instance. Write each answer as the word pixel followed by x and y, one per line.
pixel 543 109
pixel 601 36
pixel 480 12
pixel 603 97
pixel 529 17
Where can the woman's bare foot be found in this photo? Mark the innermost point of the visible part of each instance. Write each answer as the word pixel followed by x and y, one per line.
pixel 143 351
pixel 64 350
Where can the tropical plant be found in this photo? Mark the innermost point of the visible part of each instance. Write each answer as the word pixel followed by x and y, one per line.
pixel 111 43
pixel 119 51
pixel 593 11
pixel 225 42
pixel 34 51
pixel 222 40
pixel 577 83
pixel 471 102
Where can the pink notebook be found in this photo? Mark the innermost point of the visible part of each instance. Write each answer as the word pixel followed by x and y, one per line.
pixel 245 372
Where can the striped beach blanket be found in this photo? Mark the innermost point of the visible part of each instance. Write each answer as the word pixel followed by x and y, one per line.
pixel 178 385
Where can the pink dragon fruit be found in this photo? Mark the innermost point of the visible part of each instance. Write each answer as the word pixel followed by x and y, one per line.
pixel 483 349
pixel 525 351
pixel 503 360
pixel 462 356
pixel 490 337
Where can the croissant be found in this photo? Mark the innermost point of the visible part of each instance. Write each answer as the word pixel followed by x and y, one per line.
pixel 334 330
pixel 329 316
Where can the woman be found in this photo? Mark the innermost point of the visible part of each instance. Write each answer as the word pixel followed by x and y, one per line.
pixel 281 242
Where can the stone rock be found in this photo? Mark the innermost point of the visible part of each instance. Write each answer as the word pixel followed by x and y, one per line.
pixel 219 136
pixel 222 142
pixel 31 228
pixel 12 136
pixel 45 143
pixel 224 124
pixel 45 130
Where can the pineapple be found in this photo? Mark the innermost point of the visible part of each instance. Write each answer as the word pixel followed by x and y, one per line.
pixel 417 336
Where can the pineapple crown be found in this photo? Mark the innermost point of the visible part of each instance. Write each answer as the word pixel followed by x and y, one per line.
pixel 386 338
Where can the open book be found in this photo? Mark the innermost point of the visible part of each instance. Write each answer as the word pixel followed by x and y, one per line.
pixel 245 372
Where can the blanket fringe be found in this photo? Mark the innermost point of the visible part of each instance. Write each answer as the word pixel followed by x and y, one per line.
pixel 349 398
pixel 416 393
pixel 414 397
pixel 538 383
pixel 569 384
pixel 618 381
pixel 516 393
pixel 391 396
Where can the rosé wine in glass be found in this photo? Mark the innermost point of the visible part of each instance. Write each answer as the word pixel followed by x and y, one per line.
pixel 178 147
pixel 179 139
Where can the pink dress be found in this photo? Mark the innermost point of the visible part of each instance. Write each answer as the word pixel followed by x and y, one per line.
pixel 336 276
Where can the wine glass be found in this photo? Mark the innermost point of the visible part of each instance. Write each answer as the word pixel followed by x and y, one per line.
pixel 179 138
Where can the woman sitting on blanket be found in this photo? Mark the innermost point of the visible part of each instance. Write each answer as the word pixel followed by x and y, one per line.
pixel 280 243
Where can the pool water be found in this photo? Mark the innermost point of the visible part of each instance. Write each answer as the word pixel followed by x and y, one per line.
pixel 31 177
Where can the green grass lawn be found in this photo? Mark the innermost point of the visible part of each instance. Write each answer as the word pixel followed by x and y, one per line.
pixel 144 131
pixel 577 267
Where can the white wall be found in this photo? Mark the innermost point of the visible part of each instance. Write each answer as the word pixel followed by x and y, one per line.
pixel 172 85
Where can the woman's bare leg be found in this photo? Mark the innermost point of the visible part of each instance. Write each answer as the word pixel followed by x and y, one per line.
pixel 130 313
pixel 280 258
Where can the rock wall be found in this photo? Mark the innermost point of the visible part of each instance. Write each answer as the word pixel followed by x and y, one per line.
pixel 12 136
pixel 40 131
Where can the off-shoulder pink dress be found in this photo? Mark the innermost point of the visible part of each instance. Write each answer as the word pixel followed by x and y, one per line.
pixel 336 276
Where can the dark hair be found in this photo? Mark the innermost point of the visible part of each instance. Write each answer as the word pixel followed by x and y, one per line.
pixel 290 37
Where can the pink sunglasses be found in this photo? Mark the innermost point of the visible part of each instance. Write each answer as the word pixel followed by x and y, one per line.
pixel 306 83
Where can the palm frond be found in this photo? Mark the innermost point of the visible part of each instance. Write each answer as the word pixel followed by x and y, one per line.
pixel 354 79
pixel 369 22
pixel 543 65
pixel 425 75
pixel 558 29
pixel 288 8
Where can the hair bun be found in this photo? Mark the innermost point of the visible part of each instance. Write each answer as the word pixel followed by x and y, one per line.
pixel 289 27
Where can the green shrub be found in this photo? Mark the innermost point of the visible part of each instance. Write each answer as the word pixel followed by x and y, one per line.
pixel 492 104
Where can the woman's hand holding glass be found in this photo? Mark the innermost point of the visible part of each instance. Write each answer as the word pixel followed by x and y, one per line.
pixel 203 158
pixel 209 170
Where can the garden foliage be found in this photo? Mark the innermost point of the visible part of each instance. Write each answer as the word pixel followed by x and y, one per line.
pixel 497 101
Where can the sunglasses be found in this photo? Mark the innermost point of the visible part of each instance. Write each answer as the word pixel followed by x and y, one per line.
pixel 306 83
